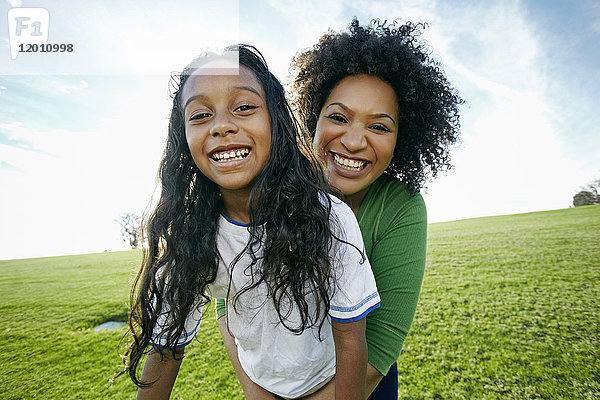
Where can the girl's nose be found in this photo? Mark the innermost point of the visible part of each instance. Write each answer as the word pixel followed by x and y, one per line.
pixel 223 126
pixel 354 139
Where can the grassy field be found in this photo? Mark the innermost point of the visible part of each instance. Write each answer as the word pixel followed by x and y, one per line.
pixel 509 309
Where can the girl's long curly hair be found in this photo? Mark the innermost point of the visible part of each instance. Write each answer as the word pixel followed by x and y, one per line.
pixel 289 214
pixel 428 105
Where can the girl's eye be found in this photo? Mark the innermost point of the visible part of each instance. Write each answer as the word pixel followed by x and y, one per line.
pixel 199 116
pixel 246 107
pixel 337 118
pixel 380 127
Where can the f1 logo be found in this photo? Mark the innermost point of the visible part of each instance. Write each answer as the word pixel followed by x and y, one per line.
pixel 27 26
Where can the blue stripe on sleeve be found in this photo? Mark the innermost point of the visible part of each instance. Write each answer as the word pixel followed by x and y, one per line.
pixel 357 306
pixel 179 346
pixel 357 318
pixel 184 336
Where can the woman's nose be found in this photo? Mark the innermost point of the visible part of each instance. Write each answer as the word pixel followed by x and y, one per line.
pixel 354 139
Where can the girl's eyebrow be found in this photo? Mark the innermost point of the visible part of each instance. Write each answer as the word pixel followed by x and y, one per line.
pixel 348 110
pixel 248 88
pixel 198 96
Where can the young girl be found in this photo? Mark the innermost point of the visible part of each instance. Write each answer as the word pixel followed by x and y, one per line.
pixel 244 215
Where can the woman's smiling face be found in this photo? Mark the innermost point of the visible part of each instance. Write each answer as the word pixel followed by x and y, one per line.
pixel 356 134
pixel 227 127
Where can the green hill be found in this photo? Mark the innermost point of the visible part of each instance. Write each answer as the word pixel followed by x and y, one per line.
pixel 509 309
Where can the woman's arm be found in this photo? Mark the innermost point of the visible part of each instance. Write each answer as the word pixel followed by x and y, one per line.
pixel 398 260
pixel 351 359
pixel 251 390
pixel 162 371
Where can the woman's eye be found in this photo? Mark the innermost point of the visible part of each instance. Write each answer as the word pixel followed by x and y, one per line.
pixel 199 116
pixel 337 118
pixel 379 127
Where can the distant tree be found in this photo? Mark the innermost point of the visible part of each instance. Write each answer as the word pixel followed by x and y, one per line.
pixel 585 198
pixel 594 188
pixel 130 228
pixel 588 195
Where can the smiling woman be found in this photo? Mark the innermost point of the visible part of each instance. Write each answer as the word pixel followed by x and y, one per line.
pixel 382 116
pixel 356 134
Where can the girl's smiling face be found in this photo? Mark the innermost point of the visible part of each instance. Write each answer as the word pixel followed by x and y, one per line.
pixel 227 127
pixel 356 134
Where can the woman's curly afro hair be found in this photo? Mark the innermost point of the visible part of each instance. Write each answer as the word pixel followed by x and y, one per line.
pixel 428 105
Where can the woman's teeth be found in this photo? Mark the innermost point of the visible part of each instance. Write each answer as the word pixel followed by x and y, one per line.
pixel 352 165
pixel 230 155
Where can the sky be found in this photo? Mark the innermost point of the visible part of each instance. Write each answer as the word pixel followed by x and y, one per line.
pixel 82 132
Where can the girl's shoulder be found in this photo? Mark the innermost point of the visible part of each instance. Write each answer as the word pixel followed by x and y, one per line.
pixel 339 209
pixel 342 220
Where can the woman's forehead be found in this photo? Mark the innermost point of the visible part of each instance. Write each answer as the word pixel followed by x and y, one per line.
pixel 364 92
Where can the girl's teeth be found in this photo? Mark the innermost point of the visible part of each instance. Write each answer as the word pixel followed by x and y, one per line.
pixel 231 155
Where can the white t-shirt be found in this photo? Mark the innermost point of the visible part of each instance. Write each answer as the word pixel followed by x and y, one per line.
pixel 274 357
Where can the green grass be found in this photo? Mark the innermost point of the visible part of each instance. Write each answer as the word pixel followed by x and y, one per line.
pixel 509 309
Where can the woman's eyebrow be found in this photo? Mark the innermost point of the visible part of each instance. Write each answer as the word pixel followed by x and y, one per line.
pixel 348 110
pixel 342 105
pixel 382 115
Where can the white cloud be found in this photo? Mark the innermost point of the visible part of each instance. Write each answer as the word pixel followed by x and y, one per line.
pixel 511 162
pixel 64 200
pixel 49 142
pixel 314 14
pixel 69 89
pixel 512 159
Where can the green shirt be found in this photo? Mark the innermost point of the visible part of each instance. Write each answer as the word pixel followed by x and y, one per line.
pixel 394 228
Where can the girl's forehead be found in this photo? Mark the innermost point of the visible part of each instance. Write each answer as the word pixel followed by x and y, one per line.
pixel 227 65
pixel 199 83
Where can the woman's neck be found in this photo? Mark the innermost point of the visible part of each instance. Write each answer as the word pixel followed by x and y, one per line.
pixel 355 200
pixel 235 205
